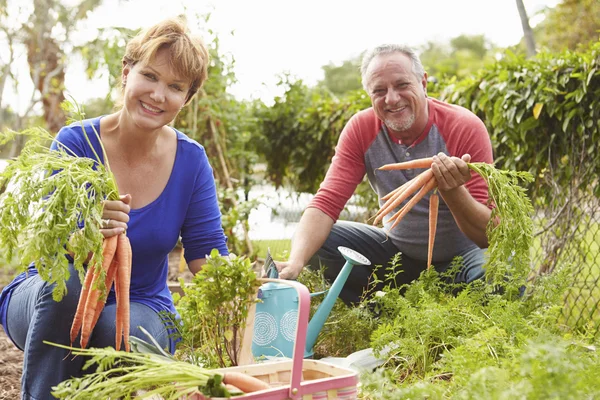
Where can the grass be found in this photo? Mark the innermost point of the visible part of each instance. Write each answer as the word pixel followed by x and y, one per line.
pixel 280 248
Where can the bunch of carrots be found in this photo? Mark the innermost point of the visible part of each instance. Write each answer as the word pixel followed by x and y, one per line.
pixel 424 183
pixel 116 269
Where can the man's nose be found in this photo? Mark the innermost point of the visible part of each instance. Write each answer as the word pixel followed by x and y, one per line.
pixel 391 97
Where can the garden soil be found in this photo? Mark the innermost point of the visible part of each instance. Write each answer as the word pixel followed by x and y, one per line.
pixel 11 358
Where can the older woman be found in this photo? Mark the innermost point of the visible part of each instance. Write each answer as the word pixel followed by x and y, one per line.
pixel 169 193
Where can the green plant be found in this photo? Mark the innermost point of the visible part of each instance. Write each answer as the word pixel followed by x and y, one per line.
pixel 120 373
pixel 214 310
pixel 48 196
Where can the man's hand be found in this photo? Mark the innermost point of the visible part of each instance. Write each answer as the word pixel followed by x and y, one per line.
pixel 451 172
pixel 288 269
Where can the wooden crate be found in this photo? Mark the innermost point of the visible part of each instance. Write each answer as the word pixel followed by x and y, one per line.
pixel 318 381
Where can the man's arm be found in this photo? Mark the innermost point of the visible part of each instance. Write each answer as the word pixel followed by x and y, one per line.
pixel 471 216
pixel 312 231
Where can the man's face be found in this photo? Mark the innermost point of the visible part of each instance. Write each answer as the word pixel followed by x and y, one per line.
pixel 398 96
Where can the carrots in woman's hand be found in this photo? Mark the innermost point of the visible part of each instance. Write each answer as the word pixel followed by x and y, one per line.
pixel 109 246
pixel 434 202
pixel 108 282
pixel 122 291
pixel 244 382
pixel 116 267
pixel 418 163
pixel 85 289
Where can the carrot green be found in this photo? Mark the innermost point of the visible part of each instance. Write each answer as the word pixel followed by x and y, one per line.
pixel 47 196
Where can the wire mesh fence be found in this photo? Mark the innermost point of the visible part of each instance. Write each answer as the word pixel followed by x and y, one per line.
pixel 568 238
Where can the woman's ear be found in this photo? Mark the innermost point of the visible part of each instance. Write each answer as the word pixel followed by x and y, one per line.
pixel 125 72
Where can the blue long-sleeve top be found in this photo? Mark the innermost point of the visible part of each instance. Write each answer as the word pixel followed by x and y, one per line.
pixel 187 207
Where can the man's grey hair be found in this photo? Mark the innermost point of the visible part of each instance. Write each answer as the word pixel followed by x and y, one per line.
pixel 418 69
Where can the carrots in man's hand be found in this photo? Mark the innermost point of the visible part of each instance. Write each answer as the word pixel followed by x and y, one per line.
pixel 418 163
pixel 434 202
pixel 416 183
pixel 395 191
pixel 244 382
pixel 431 184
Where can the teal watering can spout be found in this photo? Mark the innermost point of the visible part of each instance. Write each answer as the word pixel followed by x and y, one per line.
pixel 318 320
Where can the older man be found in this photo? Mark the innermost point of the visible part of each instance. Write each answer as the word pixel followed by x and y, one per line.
pixel 403 124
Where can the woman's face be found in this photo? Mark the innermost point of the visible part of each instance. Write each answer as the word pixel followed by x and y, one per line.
pixel 154 94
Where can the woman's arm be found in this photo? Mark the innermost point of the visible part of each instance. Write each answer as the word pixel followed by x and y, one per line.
pixel 196 265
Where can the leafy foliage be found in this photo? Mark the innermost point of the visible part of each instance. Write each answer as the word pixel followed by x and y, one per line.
pixel 214 310
pixel 553 96
pixel 49 196
pixel 461 57
pixel 445 340
pixel 299 132
pixel 572 24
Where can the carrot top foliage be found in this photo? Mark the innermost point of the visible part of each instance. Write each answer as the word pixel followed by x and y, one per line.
pixel 48 196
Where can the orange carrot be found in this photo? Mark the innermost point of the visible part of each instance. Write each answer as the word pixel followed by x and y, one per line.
pixel 122 291
pixel 418 163
pixel 434 202
pixel 85 289
pixel 108 282
pixel 108 251
pixel 246 383
pixel 431 183
pixel 417 182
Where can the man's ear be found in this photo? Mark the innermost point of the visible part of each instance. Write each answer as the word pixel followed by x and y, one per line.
pixel 424 82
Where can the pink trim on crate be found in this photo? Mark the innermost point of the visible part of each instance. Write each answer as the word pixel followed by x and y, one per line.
pixel 323 385
pixel 301 327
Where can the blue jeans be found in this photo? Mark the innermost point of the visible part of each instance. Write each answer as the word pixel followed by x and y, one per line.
pixel 33 316
pixel 373 243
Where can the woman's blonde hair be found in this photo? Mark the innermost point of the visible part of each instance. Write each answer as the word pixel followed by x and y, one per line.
pixel 188 56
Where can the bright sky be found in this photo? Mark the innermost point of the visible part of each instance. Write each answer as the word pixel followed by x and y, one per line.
pixel 275 36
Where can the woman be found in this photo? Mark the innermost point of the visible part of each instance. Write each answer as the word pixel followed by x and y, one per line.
pixel 169 192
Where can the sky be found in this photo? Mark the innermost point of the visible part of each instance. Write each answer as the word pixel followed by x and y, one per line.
pixel 270 37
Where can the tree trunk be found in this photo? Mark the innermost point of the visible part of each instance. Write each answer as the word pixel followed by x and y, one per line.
pixel 527 31
pixel 46 65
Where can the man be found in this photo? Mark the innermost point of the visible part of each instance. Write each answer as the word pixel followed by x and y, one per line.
pixel 403 124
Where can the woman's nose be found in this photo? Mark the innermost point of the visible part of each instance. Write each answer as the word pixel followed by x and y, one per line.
pixel 158 94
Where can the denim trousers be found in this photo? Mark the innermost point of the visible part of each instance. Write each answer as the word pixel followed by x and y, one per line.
pixel 373 243
pixel 33 317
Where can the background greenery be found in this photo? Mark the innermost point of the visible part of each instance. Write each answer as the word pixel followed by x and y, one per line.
pixel 541 111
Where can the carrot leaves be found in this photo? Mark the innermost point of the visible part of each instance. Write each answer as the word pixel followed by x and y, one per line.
pixel 511 238
pixel 50 205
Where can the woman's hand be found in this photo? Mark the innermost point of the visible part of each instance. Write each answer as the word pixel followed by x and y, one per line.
pixel 115 216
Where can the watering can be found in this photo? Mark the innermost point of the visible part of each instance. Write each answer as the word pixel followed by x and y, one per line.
pixel 276 316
